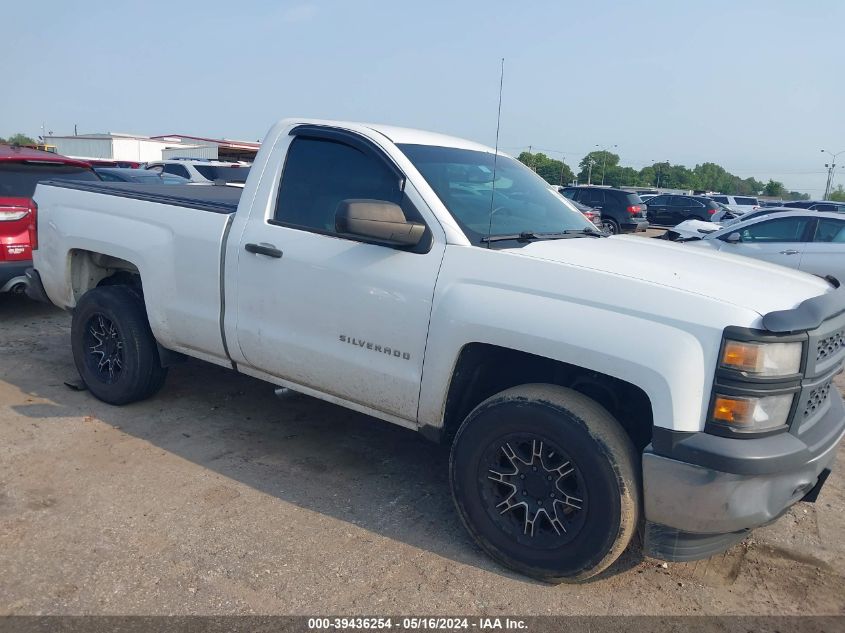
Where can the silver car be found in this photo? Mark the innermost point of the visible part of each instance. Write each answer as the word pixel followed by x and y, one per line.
pixel 810 241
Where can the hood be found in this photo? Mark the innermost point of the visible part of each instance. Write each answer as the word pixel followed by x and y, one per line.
pixel 695 228
pixel 741 281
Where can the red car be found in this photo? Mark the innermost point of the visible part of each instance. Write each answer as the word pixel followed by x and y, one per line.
pixel 20 170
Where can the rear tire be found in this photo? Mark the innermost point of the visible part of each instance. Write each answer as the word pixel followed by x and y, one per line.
pixel 611 227
pixel 114 349
pixel 546 482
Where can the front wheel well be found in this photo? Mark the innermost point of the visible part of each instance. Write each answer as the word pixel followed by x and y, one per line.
pixel 483 370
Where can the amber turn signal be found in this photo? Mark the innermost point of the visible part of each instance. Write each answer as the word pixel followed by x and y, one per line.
pixel 731 410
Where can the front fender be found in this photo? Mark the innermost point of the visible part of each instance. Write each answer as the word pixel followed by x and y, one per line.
pixel 634 331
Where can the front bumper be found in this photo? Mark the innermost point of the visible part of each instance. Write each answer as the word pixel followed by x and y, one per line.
pixel 704 492
pixel 12 273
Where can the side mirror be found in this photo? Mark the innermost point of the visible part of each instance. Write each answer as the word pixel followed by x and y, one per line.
pixel 733 238
pixel 379 221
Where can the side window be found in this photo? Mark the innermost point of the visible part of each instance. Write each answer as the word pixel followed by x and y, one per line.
pixel 722 199
pixel 319 174
pixel 681 201
pixel 177 170
pixel 595 198
pixel 658 201
pixel 830 231
pixel 156 168
pixel 107 176
pixel 780 230
pixel 570 193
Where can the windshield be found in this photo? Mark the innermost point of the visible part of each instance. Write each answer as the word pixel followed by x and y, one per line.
pixel 521 202
pixel 234 173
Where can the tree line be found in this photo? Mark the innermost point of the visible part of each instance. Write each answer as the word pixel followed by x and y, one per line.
pixel 18 139
pixel 602 167
pixel 838 194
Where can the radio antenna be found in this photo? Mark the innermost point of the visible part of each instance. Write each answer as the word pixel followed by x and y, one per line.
pixel 496 155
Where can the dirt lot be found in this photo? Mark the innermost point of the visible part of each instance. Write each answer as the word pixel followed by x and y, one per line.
pixel 215 497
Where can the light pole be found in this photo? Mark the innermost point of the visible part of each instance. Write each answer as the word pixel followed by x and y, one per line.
pixel 590 162
pixel 830 168
pixel 604 163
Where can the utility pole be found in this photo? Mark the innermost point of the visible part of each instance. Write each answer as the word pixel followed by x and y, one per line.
pixel 656 164
pixel 830 168
pixel 590 161
pixel 604 164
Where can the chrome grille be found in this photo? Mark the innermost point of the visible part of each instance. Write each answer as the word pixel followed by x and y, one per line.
pixel 829 345
pixel 816 399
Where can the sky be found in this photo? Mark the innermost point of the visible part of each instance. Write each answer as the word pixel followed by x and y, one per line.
pixel 757 87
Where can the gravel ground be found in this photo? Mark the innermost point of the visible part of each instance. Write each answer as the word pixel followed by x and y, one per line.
pixel 214 497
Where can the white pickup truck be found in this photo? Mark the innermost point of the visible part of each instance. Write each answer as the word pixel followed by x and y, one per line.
pixel 587 385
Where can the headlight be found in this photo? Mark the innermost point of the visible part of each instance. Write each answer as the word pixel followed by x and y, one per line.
pixel 748 414
pixel 762 359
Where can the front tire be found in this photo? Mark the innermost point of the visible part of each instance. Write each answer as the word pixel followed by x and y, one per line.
pixel 114 349
pixel 545 481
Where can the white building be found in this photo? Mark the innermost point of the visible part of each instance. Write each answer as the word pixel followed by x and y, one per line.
pixel 111 146
pixel 133 147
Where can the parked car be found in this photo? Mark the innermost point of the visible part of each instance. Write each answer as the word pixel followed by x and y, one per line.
pixel 669 209
pixel 582 381
pixel 811 241
pixel 621 211
pixel 739 204
pixel 20 170
pixel 817 205
pixel 114 174
pixel 591 214
pixel 695 228
pixel 202 171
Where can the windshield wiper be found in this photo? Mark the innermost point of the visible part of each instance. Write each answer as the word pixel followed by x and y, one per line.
pixel 529 236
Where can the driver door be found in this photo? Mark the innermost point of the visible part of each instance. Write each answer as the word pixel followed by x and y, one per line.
pixel 327 311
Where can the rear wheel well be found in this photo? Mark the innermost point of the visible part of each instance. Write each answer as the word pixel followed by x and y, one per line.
pixel 483 370
pixel 89 269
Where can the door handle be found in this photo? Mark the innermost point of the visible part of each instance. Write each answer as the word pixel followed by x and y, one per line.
pixel 263 249
pixel 789 251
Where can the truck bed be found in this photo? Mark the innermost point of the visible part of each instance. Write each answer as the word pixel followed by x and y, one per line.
pixel 173 235
pixel 211 198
